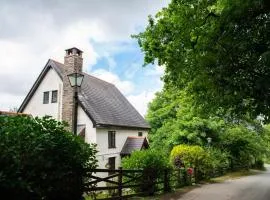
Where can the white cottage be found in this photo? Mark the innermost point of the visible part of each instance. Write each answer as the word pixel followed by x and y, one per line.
pixel 105 116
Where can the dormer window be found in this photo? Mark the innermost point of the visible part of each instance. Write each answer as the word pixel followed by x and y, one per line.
pixel 54 96
pixel 46 97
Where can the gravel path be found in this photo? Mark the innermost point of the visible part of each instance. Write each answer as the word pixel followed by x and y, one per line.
pixel 255 187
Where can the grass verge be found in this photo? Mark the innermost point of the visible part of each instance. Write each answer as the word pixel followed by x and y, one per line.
pixel 234 175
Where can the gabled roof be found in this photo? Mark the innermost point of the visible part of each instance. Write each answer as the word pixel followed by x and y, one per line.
pixel 51 64
pixel 102 101
pixel 134 144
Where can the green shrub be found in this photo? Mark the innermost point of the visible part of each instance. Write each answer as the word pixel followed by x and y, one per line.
pixel 191 156
pixel 258 164
pixel 41 160
pixel 218 162
pixel 243 144
pixel 153 163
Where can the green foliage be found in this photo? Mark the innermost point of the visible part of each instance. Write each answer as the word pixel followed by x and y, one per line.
pixel 205 161
pixel 185 125
pixel 259 164
pixel 191 155
pixel 217 50
pixel 243 144
pixel 41 160
pixel 242 139
pixel 153 163
pixel 266 139
pixel 218 160
pixel 216 56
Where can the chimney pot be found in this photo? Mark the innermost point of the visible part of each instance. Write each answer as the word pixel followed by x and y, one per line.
pixel 74 52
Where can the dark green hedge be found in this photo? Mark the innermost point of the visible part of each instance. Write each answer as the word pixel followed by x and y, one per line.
pixel 40 159
pixel 153 165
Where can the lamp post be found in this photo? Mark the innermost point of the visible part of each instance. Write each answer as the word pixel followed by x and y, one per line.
pixel 75 80
pixel 209 140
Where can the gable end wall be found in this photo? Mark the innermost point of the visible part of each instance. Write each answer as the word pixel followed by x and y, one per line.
pixel 35 106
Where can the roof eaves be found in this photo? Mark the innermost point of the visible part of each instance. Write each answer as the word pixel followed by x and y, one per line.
pixel 101 125
pixel 87 113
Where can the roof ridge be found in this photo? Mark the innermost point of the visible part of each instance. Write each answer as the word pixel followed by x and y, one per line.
pixel 98 78
pixel 84 73
pixel 56 61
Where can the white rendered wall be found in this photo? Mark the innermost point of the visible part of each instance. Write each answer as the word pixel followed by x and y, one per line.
pixel 120 138
pixel 35 106
pixel 90 131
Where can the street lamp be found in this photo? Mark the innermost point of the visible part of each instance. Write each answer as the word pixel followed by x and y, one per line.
pixel 75 80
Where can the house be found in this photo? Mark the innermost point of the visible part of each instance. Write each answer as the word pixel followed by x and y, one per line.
pixel 105 116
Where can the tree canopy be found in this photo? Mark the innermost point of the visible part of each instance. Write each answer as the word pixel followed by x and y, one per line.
pixel 174 121
pixel 216 50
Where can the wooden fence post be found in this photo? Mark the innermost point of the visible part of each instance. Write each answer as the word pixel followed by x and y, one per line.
pixel 196 175
pixel 120 186
pixel 166 187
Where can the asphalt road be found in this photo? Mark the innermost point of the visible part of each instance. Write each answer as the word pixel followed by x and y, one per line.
pixel 255 187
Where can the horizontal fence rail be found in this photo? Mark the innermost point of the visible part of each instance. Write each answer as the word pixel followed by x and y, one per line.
pixel 122 184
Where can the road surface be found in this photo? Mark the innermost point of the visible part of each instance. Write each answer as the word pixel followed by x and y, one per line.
pixel 255 187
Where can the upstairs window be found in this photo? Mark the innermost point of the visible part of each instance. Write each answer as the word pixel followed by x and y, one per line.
pixel 111 139
pixel 54 96
pixel 46 97
pixel 140 134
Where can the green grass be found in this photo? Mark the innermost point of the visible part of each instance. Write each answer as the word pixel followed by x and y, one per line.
pixel 234 175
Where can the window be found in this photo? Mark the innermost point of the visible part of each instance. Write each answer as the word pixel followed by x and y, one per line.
pixel 54 96
pixel 46 97
pixel 140 134
pixel 111 163
pixel 111 139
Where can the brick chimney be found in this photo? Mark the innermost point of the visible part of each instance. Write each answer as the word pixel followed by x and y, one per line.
pixel 73 62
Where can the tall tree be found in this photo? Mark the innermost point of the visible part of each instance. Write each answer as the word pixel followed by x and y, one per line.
pixel 217 50
pixel 175 121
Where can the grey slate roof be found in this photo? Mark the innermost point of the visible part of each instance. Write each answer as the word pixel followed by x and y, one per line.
pixel 102 101
pixel 133 144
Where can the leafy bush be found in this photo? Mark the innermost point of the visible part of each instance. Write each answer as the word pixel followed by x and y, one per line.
pixel 153 164
pixel 243 144
pixel 218 162
pixel 192 156
pixel 41 160
pixel 218 159
pixel 258 164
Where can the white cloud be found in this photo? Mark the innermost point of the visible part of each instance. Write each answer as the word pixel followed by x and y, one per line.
pixel 155 71
pixel 132 69
pixel 36 30
pixel 126 87
pixel 140 101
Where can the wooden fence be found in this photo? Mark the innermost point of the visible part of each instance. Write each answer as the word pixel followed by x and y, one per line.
pixel 122 184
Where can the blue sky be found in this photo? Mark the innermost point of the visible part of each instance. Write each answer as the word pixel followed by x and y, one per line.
pixel 136 82
pixel 36 30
